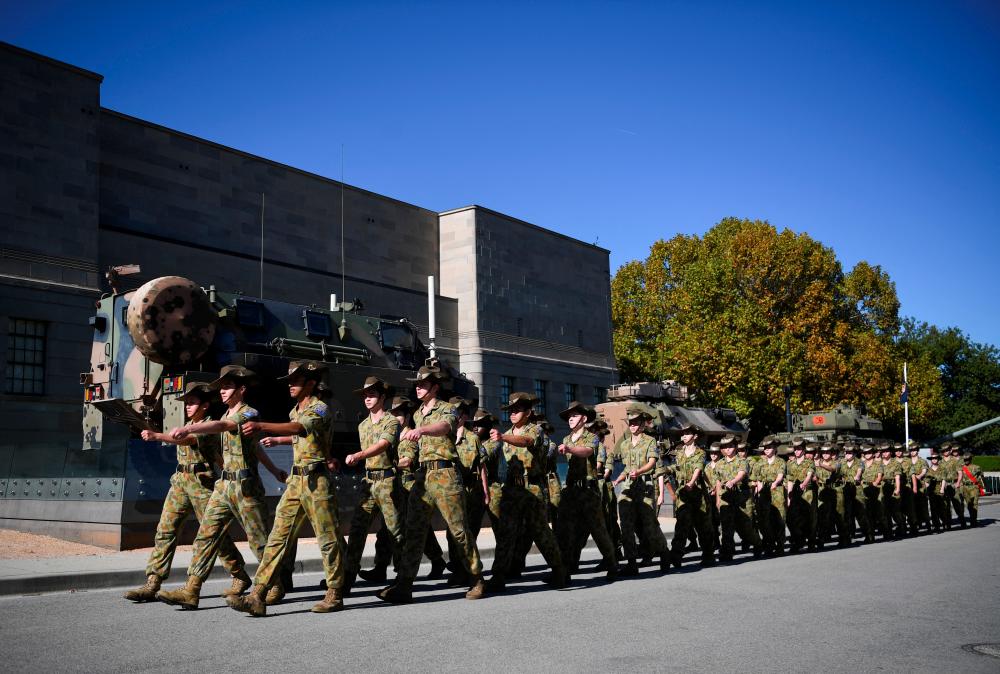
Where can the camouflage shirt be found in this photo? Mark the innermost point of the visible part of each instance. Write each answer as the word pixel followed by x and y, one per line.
pixel 207 448
pixel 582 467
pixel 974 470
pixel 490 453
pixel 711 473
pixel 935 476
pixel 890 471
pixel 767 473
pixel 849 470
pixel 439 448
pixel 950 466
pixel 469 448
pixel 636 455
pixel 407 449
pixel 796 472
pixel 919 467
pixel 521 460
pixel 686 466
pixel 238 450
pixel 871 472
pixel 728 469
pixel 370 432
pixel 314 443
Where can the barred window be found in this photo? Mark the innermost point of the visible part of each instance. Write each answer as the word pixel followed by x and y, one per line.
pixel 540 386
pixel 25 368
pixel 569 392
pixel 600 395
pixel 506 388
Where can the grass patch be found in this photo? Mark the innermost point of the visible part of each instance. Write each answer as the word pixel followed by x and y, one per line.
pixel 989 464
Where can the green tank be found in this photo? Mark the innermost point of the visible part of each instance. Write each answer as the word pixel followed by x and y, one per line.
pixel 148 343
pixel 844 422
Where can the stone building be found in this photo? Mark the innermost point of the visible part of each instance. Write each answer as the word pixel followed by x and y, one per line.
pixel 83 188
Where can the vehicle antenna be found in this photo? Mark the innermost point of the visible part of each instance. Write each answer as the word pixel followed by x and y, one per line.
pixel 262 245
pixel 343 263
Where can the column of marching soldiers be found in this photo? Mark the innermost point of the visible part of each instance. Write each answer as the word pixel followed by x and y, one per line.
pixel 429 454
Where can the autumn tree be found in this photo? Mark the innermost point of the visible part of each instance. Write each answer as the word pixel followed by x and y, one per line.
pixel 746 309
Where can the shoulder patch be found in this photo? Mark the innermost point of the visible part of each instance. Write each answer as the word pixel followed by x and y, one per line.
pixel 320 409
pixel 249 413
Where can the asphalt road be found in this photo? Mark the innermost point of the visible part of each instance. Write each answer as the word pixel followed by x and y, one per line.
pixel 903 606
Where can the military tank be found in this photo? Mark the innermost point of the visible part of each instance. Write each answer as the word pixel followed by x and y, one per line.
pixel 668 403
pixel 842 423
pixel 148 343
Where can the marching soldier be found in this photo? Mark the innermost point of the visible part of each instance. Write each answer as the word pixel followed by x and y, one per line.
pixel 635 502
pixel 770 488
pixel 690 505
pixel 854 495
pixel 239 494
pixel 798 476
pixel 609 501
pixel 491 458
pixel 811 496
pixel 190 490
pixel 934 483
pixel 906 502
pixel 310 491
pixel 379 433
pixel 712 496
pixel 918 472
pixel 970 485
pixel 524 503
pixel 469 449
pixel 892 490
pixel 438 487
pixel 581 501
pixel 871 487
pixel 731 483
pixel 952 496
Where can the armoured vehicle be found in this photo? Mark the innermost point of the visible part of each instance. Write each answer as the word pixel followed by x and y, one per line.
pixel 841 423
pixel 667 403
pixel 149 342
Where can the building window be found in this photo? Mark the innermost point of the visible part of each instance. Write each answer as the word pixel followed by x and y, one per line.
pixel 569 391
pixel 600 395
pixel 506 388
pixel 540 386
pixel 25 370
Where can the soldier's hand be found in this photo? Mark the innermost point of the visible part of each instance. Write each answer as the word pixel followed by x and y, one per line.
pixel 267 442
pixel 659 500
pixel 351 459
pixel 486 497
pixel 405 462
pixel 281 475
pixel 562 448
pixel 250 427
pixel 148 435
pixel 633 475
pixel 179 433
pixel 411 434
pixel 495 434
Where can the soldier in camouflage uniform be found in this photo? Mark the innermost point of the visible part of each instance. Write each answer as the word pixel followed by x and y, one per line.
pixel 492 461
pixel 837 509
pixel 871 488
pixel 691 509
pixel 469 448
pixel 769 476
pixel 907 506
pixel 854 495
pixel 970 483
pixel 811 496
pixel 918 471
pixel 239 494
pixel 581 501
pixel 712 494
pixel 524 503
pixel 190 489
pixel 892 493
pixel 437 487
pixel 635 502
pixel 309 492
pixel 547 454
pixel 732 487
pixel 379 434
pixel 952 496
pixel 609 500
pixel 799 472
pixel 934 481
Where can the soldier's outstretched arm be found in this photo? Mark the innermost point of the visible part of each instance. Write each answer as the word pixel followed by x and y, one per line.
pixel 262 456
pixel 286 428
pixel 273 440
pixel 153 436
pixel 203 428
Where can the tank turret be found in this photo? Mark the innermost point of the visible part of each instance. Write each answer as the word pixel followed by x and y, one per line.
pixel 844 422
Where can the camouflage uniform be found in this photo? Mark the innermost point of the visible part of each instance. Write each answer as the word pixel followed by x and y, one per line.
pixel 771 504
pixel 734 513
pixel 799 505
pixel 309 491
pixel 920 502
pixel 892 503
pixel 833 503
pixel 190 491
pixel 524 507
pixel 491 458
pixel 952 497
pixel 609 500
pixel 469 448
pixel 870 473
pixel 690 506
pixel 635 502
pixel 709 476
pixel 581 506
pixel 438 486
pixel 407 478
pixel 378 491
pixel 970 489
pixel 934 481
pixel 854 500
pixel 907 506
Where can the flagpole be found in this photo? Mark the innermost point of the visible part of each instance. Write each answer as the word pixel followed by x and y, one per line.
pixel 906 408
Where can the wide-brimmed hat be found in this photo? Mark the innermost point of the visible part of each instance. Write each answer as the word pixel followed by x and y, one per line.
pixel 784 450
pixel 401 402
pixel 798 442
pixel 236 373
pixel 483 418
pixel 715 447
pixel 310 368
pixel 690 428
pixel 635 414
pixel 827 447
pixel 727 439
pixel 576 406
pixel 520 399
pixel 375 383
pixel 967 456
pixel 460 402
pixel 431 374
pixel 204 391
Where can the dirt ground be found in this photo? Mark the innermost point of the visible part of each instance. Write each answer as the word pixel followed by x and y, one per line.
pixel 20 545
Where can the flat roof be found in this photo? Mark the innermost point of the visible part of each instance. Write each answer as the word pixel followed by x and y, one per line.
pixel 51 61
pixel 473 207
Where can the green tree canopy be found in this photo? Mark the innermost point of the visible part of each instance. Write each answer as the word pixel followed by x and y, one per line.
pixel 746 309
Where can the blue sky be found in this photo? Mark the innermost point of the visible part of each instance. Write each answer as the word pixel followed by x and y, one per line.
pixel 873 126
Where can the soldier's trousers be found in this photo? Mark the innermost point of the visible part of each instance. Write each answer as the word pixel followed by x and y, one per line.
pixel 314 497
pixel 523 516
pixel 971 499
pixel 908 507
pixel 384 551
pixel 939 518
pixel 811 498
pixel 474 508
pixel 952 502
pixel 735 519
pixel 798 519
pixel 242 500
pixel 920 507
pixel 771 517
pixel 379 497
pixel 636 508
pixel 493 511
pixel 859 512
pixel 555 496
pixel 892 511
pixel 579 516
pixel 609 506
pixel 835 514
pixel 873 507
pixel 187 494
pixel 691 514
pixel 437 489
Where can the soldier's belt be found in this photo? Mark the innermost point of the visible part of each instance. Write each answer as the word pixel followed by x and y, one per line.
pixel 583 483
pixel 310 468
pixel 194 467
pixel 375 475
pixel 238 474
pixel 436 465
